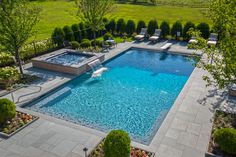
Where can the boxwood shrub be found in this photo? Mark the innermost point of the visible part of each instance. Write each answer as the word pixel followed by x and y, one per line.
pixel 107 36
pixel 85 43
pixel 74 45
pixel 7 110
pixel 117 144
pixel 226 138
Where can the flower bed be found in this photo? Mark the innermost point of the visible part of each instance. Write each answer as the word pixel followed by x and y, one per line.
pixel 17 123
pixel 134 152
pixel 221 120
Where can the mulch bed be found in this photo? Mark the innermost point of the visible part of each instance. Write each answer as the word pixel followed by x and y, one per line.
pixel 135 152
pixel 221 120
pixel 14 125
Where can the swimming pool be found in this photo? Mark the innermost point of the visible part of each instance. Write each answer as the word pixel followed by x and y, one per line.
pixel 135 94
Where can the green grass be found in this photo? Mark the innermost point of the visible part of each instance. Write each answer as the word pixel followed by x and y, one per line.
pixel 61 13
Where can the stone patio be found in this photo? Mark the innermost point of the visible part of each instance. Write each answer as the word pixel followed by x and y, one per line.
pixel 185 131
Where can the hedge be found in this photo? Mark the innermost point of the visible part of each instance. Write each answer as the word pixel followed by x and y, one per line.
pixel 141 24
pixel 58 36
pixel 120 26
pixel 177 27
pixel 130 27
pixel 187 27
pixel 204 29
pixel 165 29
pixel 152 25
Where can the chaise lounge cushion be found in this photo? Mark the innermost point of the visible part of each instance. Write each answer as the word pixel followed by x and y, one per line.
pixel 152 38
pixel 139 36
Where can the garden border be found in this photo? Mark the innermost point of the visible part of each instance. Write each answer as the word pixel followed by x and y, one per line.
pixel 19 129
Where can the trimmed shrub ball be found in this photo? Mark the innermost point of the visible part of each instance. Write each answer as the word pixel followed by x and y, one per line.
pixel 226 138
pixel 74 45
pixel 117 144
pixel 7 110
pixel 107 36
pixel 85 43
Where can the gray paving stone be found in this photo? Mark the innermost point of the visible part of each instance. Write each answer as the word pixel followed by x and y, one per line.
pixel 194 128
pixel 172 143
pixel 63 148
pixel 43 139
pixel 173 133
pixel 191 152
pixel 202 143
pixel 188 139
pixel 179 124
pixel 167 151
pixel 12 154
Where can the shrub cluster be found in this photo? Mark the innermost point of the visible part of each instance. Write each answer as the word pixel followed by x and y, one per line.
pixel 8 76
pixel 226 138
pixel 7 110
pixel 6 59
pixel 117 144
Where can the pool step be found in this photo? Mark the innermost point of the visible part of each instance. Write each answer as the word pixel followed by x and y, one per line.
pixel 62 93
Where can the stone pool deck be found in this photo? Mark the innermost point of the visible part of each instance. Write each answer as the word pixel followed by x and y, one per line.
pixel 184 133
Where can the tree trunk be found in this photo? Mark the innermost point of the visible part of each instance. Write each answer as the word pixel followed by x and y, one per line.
pixel 18 59
pixel 94 38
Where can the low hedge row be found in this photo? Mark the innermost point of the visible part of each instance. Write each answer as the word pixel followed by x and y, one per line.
pixel 78 32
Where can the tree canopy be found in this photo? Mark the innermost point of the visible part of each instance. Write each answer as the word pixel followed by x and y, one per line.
pixel 92 12
pixel 17 20
pixel 220 60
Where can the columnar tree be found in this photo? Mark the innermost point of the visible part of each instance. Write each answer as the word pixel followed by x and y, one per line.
pixel 17 20
pixel 77 33
pixel 130 27
pixel 141 24
pixel 165 29
pixel 220 60
pixel 69 34
pixel 92 13
pixel 204 29
pixel 112 24
pixel 152 25
pixel 187 27
pixel 120 26
pixel 177 27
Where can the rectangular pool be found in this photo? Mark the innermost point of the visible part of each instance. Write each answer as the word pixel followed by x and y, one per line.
pixel 134 95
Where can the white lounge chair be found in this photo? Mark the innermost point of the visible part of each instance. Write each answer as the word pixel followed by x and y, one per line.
pixel 192 40
pixel 213 39
pixel 156 36
pixel 166 46
pixel 142 34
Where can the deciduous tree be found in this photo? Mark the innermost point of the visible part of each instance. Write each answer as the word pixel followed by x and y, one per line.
pixel 17 20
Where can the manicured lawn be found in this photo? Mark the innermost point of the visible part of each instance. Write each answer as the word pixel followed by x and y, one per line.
pixel 61 13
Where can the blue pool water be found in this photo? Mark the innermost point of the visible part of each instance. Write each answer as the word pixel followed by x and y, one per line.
pixel 135 94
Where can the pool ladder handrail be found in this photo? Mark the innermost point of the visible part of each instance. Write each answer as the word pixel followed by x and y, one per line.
pixel 22 86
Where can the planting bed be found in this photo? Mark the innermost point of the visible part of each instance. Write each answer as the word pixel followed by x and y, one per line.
pixel 134 152
pixel 221 120
pixel 20 121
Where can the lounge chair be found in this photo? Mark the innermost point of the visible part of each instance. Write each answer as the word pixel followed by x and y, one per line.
pixel 141 35
pixel 166 46
pixel 156 36
pixel 105 46
pixel 192 40
pixel 213 39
